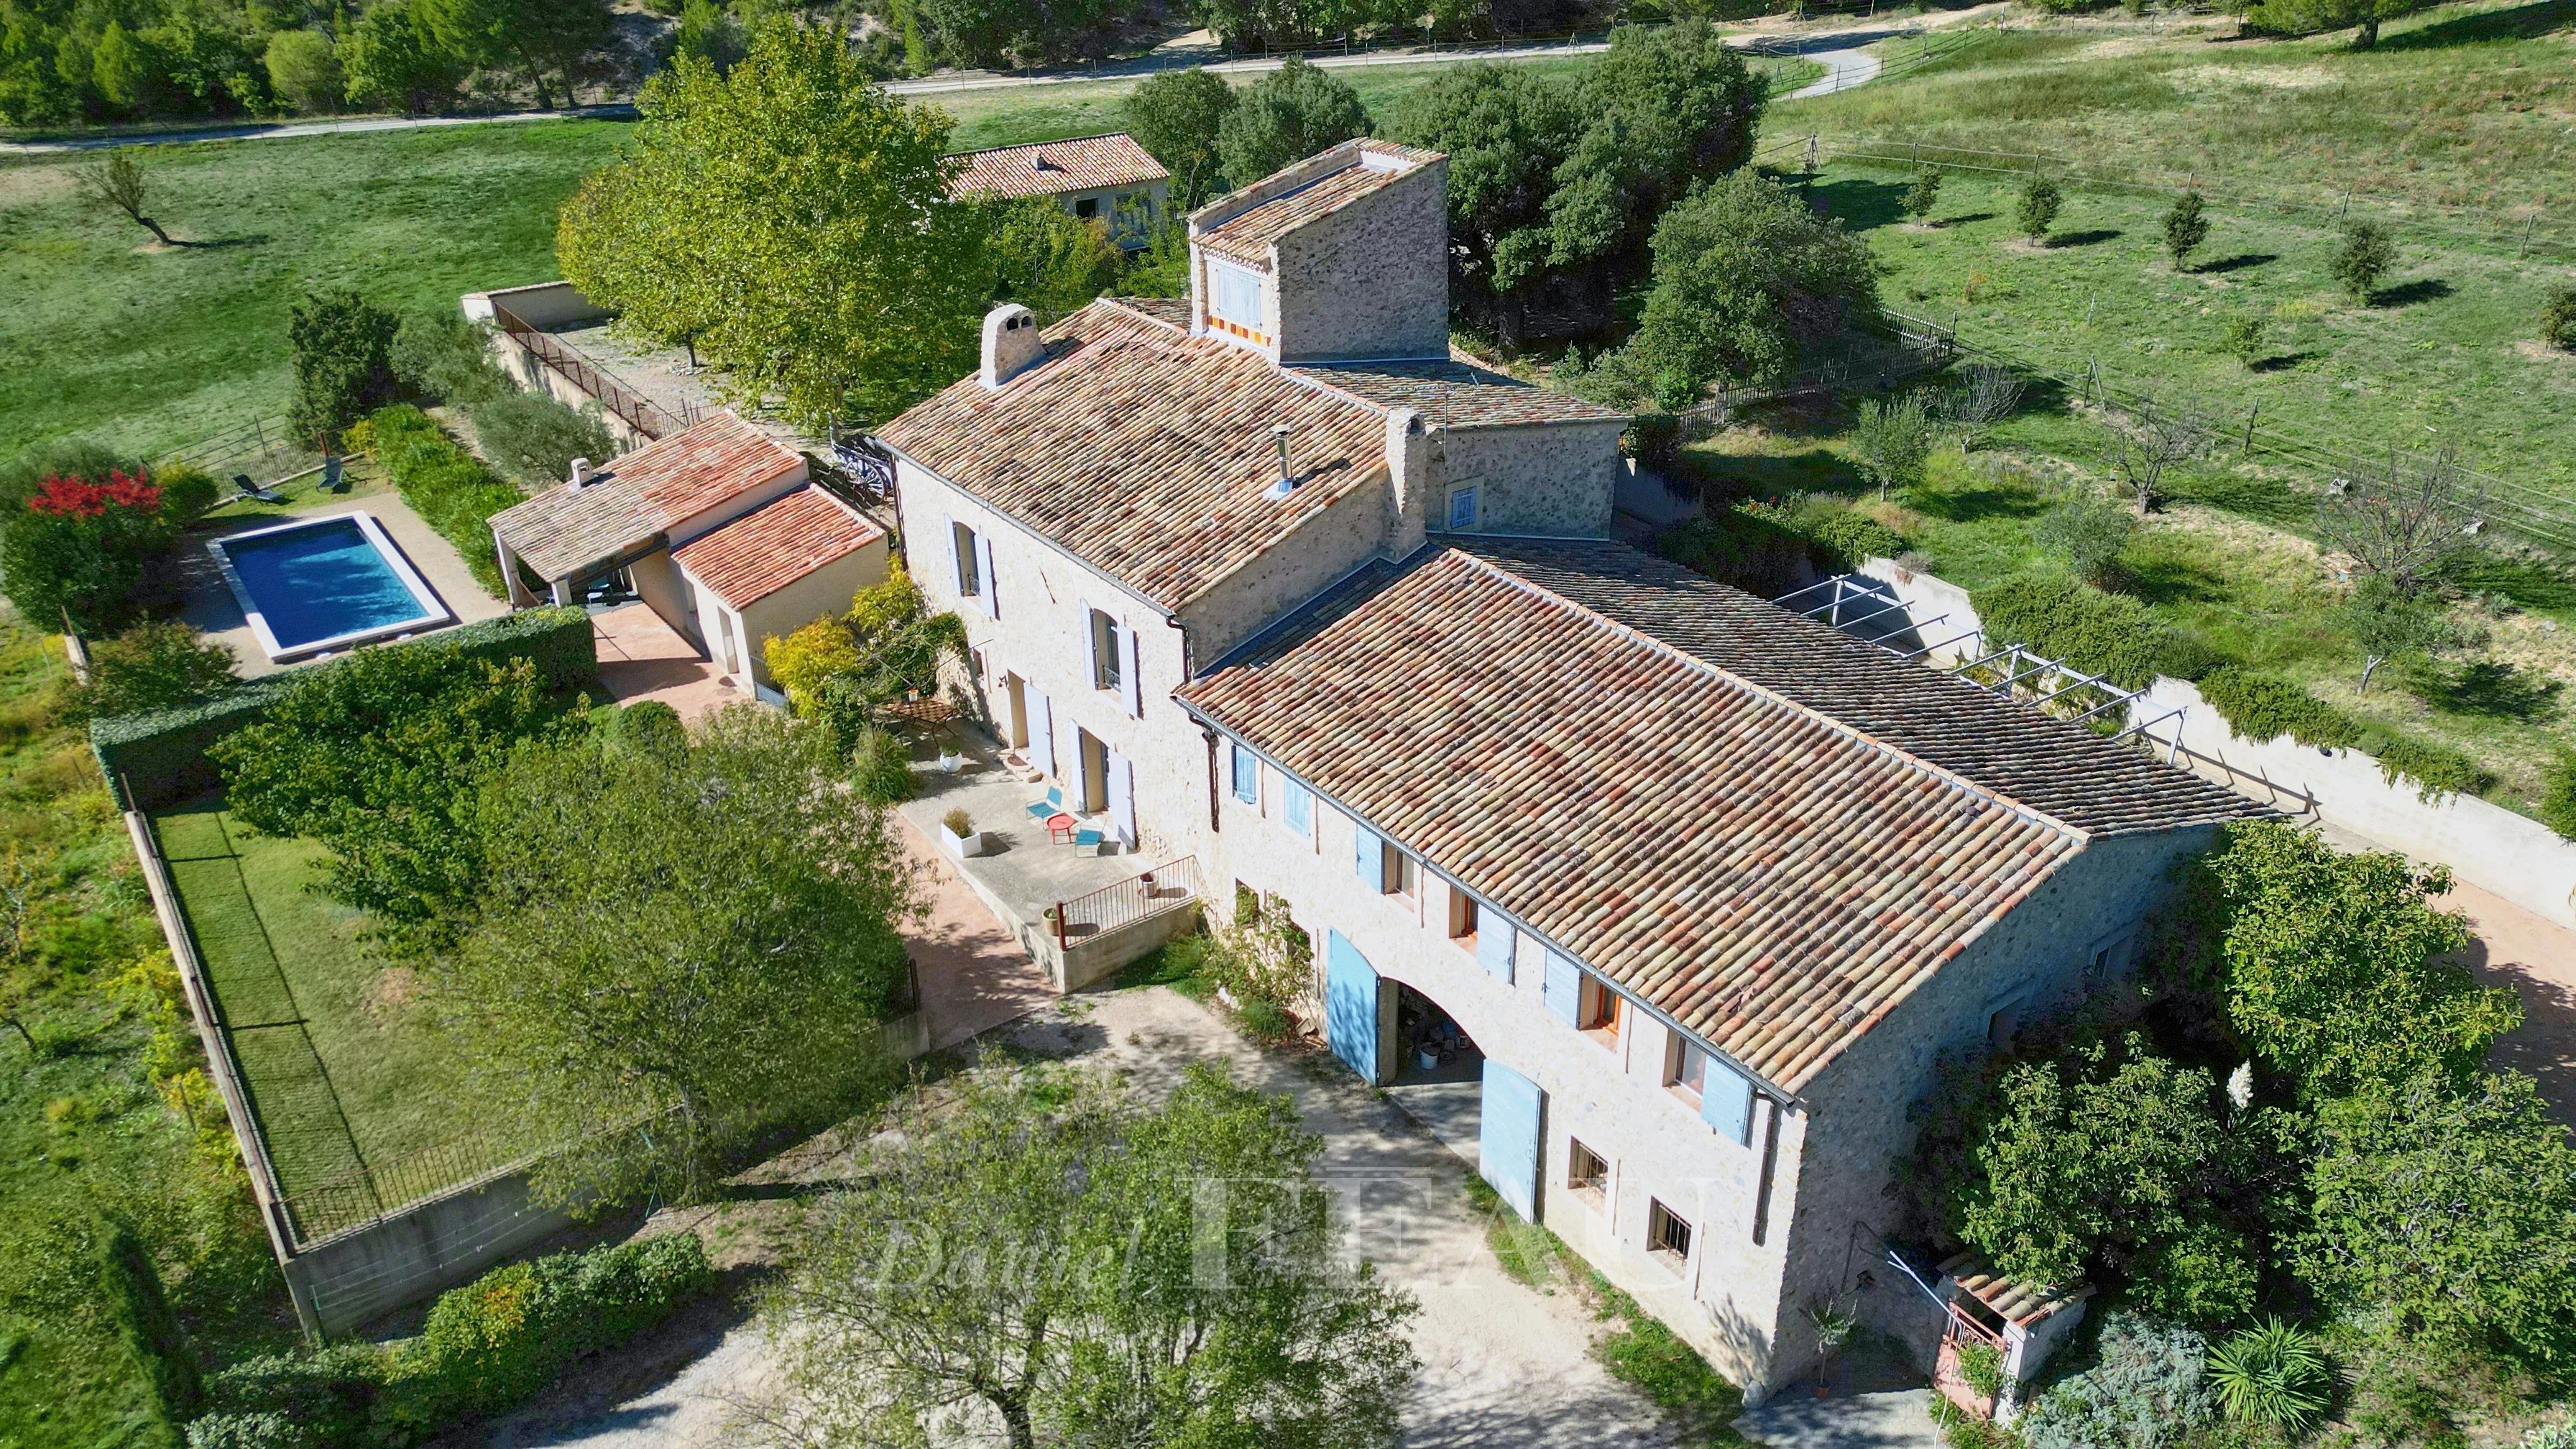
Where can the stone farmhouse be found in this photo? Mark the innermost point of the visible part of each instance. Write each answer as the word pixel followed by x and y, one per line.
pixel 1694 893
pixel 1109 179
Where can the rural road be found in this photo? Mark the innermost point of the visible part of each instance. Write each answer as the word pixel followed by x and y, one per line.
pixel 1846 66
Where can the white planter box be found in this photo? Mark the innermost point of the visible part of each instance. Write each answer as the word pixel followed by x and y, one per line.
pixel 962 846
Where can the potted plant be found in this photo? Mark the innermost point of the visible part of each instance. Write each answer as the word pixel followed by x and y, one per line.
pixel 950 759
pixel 963 839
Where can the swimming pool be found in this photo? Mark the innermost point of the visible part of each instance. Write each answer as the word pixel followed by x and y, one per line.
pixel 319 584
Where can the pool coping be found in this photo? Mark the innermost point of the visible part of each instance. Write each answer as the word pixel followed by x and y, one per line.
pixel 435 614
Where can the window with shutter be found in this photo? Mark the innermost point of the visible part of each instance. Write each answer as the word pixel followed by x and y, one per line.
pixel 1562 988
pixel 992 594
pixel 1494 940
pixel 1297 808
pixel 1726 1103
pixel 1247 776
pixel 1368 857
pixel 1131 673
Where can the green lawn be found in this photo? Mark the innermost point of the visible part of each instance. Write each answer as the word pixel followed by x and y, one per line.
pixel 345 1062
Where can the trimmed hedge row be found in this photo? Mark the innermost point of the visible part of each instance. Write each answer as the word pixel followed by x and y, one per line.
pixel 447 486
pixel 160 755
pixel 2263 707
pixel 489 1346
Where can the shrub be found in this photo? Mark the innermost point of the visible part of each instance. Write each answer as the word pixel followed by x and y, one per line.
pixel 1752 547
pixel 442 355
pixel 2274 1376
pixel 534 439
pixel 2365 255
pixel 2088 532
pixel 1852 537
pixel 2262 707
pixel 2558 319
pixel 187 492
pixel 1262 957
pixel 1924 194
pixel 2147 1388
pixel 2243 339
pixel 2111 635
pixel 2436 769
pixel 68 458
pixel 2036 213
pixel 958 822
pixel 451 490
pixel 1982 1365
pixel 2185 228
pixel 2558 794
pixel 294 1401
pixel 649 726
pixel 1890 440
pixel 343 363
pixel 84 549
pixel 159 665
pixel 881 767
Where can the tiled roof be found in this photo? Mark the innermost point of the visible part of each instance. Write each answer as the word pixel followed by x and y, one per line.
pixel 1050 168
pixel 1772 880
pixel 1170 311
pixel 774 545
pixel 1249 234
pixel 2053 766
pixel 1145 452
pixel 561 532
pixel 1459 394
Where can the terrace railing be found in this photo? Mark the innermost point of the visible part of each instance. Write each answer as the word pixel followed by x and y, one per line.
pixel 1166 887
pixel 650 419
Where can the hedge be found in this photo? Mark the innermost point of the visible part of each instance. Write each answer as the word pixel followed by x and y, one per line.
pixel 1853 538
pixel 488 1347
pixel 2262 707
pixel 160 755
pixel 447 486
pixel 2105 634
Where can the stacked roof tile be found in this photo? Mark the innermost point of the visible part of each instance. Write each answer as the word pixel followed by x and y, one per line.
pixel 1050 168
pixel 563 532
pixel 1457 394
pixel 1767 876
pixel 1249 234
pixel 774 545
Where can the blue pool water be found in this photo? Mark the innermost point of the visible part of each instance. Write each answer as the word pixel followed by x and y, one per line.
pixel 321 581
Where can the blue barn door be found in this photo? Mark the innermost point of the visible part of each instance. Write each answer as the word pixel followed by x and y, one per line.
pixel 1350 1006
pixel 1507 1137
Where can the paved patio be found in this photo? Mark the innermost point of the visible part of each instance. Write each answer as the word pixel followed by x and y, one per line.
pixel 974 977
pixel 1023 871
pixel 641 657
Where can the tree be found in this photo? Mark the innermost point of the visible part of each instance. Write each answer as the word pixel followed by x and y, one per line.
pixel 395 61
pixel 2088 532
pixel 1041 1257
pixel 154 665
pixel 1890 440
pixel 81 550
pixel 1047 259
pixel 1924 194
pixel 2558 319
pixel 1506 130
pixel 708 933
pixel 793 219
pixel 709 33
pixel 2105 1157
pixel 2306 17
pixel 2142 446
pixel 539 36
pixel 2452 1208
pixel 1746 276
pixel 2403 518
pixel 1285 117
pixel 2387 623
pixel 2185 229
pixel 1987 393
pixel 1666 109
pixel 304 68
pixel 378 758
pixel 2366 254
pixel 1177 116
pixel 2037 210
pixel 118 182
pixel 2243 339
pixel 534 438
pixel 2332 965
pixel 344 364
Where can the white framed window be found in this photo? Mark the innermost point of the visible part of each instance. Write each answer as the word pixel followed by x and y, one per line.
pixel 1463 918
pixel 970 573
pixel 1234 297
pixel 1586 1171
pixel 1462 509
pixel 1107 659
pixel 1247 776
pixel 1668 1233
pixel 1687 1068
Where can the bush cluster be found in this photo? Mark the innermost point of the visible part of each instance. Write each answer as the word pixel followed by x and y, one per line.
pixel 2111 635
pixel 489 1345
pixel 447 486
pixel 1852 538
pixel 2264 707
pixel 86 546
pixel 1768 549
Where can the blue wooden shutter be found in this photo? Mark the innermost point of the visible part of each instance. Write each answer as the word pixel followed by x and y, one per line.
pixel 984 569
pixel 1726 1102
pixel 948 547
pixel 1131 674
pixel 1368 853
pixel 1090 644
pixel 1494 937
pixel 1350 1006
pixel 1563 988
pixel 1297 807
pixel 1247 776
pixel 1508 1137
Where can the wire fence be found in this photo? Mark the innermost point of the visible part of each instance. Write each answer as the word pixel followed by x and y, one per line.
pixel 262 449
pixel 373 1189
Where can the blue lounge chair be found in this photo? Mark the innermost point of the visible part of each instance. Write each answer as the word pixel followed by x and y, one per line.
pixel 1053 804
pixel 1087 838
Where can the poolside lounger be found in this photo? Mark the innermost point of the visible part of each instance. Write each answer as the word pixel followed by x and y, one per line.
pixel 255 493
pixel 1086 838
pixel 1051 805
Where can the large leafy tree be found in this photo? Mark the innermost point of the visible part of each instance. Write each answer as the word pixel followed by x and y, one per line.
pixel 2304 17
pixel 792 219
pixel 1287 116
pixel 2333 965
pixel 702 927
pixel 1664 110
pixel 540 38
pixel 1048 259
pixel 343 362
pixel 393 59
pixel 1506 130
pixel 1176 117
pixel 1041 1253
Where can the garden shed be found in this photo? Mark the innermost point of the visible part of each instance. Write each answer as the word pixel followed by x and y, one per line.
pixel 2019 1324
pixel 774 570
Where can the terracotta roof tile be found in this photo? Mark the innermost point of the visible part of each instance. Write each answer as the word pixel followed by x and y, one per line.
pixel 1145 452
pixel 774 545
pixel 1050 168
pixel 1249 234
pixel 561 532
pixel 1770 878
pixel 1459 394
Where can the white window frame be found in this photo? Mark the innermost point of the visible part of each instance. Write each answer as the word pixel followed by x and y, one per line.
pixel 1108 658
pixel 970 567
pixel 1229 287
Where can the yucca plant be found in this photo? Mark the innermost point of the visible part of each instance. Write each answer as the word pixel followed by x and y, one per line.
pixel 2274 1375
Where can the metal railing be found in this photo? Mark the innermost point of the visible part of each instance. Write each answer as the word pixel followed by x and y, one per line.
pixel 1166 887
pixel 650 419
pixel 374 1189
pixel 261 447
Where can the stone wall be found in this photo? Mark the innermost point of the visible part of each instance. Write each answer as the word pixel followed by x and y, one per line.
pixel 1370 280
pixel 1555 481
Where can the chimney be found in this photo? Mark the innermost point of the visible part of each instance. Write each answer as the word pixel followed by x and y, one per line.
pixel 1287 481
pixel 1011 344
pixel 580 475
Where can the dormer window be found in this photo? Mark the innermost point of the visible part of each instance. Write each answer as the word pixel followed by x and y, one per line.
pixel 1234 301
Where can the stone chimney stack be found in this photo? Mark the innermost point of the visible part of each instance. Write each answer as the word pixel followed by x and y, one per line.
pixel 1011 344
pixel 580 475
